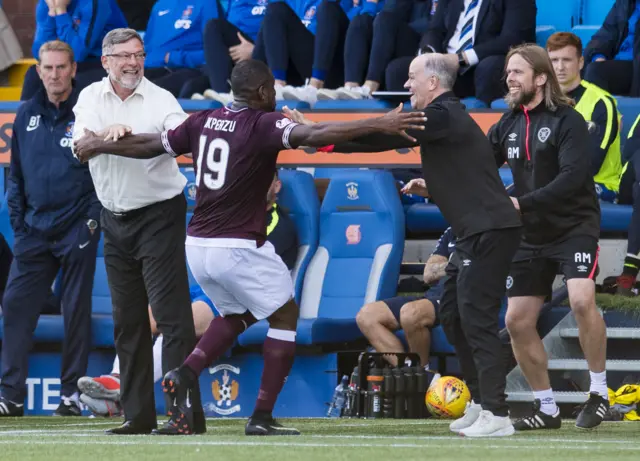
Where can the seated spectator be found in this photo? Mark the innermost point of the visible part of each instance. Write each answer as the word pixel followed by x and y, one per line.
pixel 288 36
pixel 80 23
pixel 394 34
pixel 334 47
pixel 630 195
pixel 174 46
pixel 229 39
pixel 136 12
pixel 478 36
pixel 596 106
pixel 613 54
pixel 416 315
pixel 102 394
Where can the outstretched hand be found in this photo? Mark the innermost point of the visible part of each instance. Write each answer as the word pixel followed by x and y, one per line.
pixel 417 186
pixel 296 116
pixel 87 146
pixel 114 132
pixel 397 122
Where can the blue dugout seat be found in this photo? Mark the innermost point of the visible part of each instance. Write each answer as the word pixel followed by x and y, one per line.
pixel 299 198
pixel 358 259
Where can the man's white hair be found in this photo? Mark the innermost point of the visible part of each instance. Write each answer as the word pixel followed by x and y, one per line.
pixel 436 64
pixel 116 37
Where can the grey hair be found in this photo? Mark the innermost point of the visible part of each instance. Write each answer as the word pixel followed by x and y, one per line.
pixel 436 64
pixel 116 37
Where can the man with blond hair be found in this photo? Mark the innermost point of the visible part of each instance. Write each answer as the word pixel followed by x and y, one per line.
pixel 545 141
pixel 55 217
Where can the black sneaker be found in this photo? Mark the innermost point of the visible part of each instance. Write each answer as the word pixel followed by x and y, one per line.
pixel 9 408
pixel 538 420
pixel 181 414
pixel 593 412
pixel 267 426
pixel 68 407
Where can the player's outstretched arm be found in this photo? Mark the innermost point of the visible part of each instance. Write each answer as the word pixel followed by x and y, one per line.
pixel 321 134
pixel 133 146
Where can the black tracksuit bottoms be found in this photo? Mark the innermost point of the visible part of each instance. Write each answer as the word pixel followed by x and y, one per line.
pixel 469 311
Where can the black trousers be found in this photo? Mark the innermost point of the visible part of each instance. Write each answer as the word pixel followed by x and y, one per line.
pixel 88 72
pixel 469 312
pixel 357 48
pixel 630 195
pixel 180 82
pixel 612 76
pixel 288 45
pixel 392 38
pixel 328 53
pixel 145 260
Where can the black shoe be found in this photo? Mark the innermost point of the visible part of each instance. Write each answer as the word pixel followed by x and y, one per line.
pixel 593 412
pixel 68 407
pixel 129 428
pixel 181 413
pixel 267 426
pixel 9 408
pixel 199 422
pixel 538 420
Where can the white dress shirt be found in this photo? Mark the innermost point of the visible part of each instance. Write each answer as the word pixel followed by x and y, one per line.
pixel 124 184
pixel 455 42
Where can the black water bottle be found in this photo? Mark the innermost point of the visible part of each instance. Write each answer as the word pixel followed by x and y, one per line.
pixel 352 394
pixel 399 398
pixel 410 391
pixel 421 390
pixel 388 388
pixel 374 390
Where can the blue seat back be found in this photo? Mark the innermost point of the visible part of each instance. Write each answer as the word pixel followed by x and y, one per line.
pixel 560 14
pixel 5 222
pixel 361 245
pixel 101 296
pixel 299 198
pixel 585 33
pixel 190 188
pixel 595 11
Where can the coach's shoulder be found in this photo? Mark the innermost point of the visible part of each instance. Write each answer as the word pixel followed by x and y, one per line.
pixel 94 90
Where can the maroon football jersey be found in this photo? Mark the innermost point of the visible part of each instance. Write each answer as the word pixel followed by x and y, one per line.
pixel 234 157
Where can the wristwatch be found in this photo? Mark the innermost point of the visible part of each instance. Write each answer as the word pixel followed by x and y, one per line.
pixel 92 224
pixel 461 60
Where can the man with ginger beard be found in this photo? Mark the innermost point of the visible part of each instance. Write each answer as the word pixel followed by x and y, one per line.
pixel 144 225
pixel 546 143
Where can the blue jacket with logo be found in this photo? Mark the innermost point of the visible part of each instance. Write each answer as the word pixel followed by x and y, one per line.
pixel 48 189
pixel 247 15
pixel 83 26
pixel 176 27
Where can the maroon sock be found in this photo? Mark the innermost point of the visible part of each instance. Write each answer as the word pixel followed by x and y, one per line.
pixel 278 360
pixel 218 338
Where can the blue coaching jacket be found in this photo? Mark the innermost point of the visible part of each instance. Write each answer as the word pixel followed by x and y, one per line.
pixel 176 27
pixel 83 26
pixel 48 189
pixel 247 15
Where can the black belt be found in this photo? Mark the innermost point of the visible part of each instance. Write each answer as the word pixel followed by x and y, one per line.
pixel 138 211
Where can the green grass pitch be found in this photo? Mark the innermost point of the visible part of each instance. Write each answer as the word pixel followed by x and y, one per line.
pixel 49 439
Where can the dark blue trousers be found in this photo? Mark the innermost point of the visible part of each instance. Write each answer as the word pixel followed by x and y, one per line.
pixel 35 265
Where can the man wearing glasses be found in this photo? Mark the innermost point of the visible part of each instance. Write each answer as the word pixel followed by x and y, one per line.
pixel 144 228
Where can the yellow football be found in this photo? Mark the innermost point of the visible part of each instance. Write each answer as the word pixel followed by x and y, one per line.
pixel 447 397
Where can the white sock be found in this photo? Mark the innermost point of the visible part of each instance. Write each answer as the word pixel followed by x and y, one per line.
pixel 599 384
pixel 547 402
pixel 157 359
pixel 115 370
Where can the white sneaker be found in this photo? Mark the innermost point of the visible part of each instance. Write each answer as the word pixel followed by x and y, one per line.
pixel 222 98
pixel 307 93
pixel 489 425
pixel 471 414
pixel 325 94
pixel 358 92
pixel 197 97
